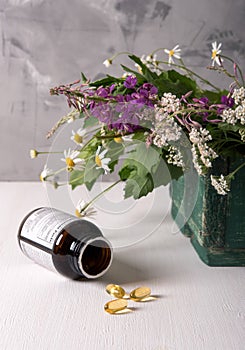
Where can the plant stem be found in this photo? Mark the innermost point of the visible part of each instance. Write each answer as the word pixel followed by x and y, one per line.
pixel 239 69
pixel 225 71
pixel 185 110
pixel 160 49
pixel 86 143
pixel 236 170
pixel 50 152
pixel 100 195
pixel 91 98
pixel 112 136
pixel 119 54
pixel 57 172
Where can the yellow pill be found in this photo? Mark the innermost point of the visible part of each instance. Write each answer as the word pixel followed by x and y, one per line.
pixel 115 290
pixel 116 306
pixel 139 294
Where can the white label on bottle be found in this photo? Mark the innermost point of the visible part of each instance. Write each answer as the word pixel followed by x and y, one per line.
pixel 44 225
pixel 37 255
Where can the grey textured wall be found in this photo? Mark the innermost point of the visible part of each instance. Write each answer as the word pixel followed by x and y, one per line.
pixel 44 43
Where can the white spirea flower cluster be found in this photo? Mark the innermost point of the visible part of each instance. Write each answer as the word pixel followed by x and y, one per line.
pixel 242 133
pixel 201 152
pixel 220 184
pixel 229 116
pixel 165 132
pixel 175 157
pixel 170 103
pixel 237 115
pixel 199 136
pixel 240 113
pixel 239 95
pixel 165 129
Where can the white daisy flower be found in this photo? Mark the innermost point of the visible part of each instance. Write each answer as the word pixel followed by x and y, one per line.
pixel 45 173
pixel 101 161
pixel 128 138
pixel 125 138
pixel 107 63
pixel 215 54
pixel 72 161
pixel 78 136
pixel 138 68
pixel 83 209
pixel 33 153
pixel 175 52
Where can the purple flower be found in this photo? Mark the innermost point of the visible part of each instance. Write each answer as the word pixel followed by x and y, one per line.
pixel 102 92
pixel 145 95
pixel 124 115
pixel 123 98
pixel 112 87
pixel 228 101
pixel 201 102
pixel 151 88
pixel 130 82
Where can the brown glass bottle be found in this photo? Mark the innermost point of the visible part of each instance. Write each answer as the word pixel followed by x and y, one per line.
pixel 63 243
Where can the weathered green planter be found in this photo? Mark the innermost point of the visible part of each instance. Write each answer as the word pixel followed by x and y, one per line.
pixel 216 225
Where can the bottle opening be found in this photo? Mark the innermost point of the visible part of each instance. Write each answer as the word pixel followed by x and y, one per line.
pixel 95 258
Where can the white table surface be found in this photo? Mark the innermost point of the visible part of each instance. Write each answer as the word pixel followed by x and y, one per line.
pixel 198 307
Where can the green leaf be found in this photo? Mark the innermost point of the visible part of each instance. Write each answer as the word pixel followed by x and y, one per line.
pixel 165 173
pixel 90 121
pixel 91 174
pixel 147 156
pixel 82 115
pixel 147 73
pixel 174 82
pixel 86 177
pixel 107 81
pixel 139 185
pixel 127 171
pixel 137 170
pixel 115 150
pixel 90 150
pixel 76 178
pixel 139 135
pixel 146 169
pixel 84 79
pixel 230 127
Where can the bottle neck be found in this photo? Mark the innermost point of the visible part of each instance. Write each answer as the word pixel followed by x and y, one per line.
pixel 93 257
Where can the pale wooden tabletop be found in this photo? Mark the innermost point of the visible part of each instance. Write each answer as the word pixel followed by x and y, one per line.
pixel 198 307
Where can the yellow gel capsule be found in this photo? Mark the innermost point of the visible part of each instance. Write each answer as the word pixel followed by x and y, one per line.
pixel 139 294
pixel 115 290
pixel 116 306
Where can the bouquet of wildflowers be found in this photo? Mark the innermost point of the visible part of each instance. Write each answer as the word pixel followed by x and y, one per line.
pixel 159 121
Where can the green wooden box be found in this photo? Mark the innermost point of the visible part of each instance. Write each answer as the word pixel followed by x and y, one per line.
pixel 214 223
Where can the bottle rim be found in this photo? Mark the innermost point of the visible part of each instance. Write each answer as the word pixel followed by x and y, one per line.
pixel 94 268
